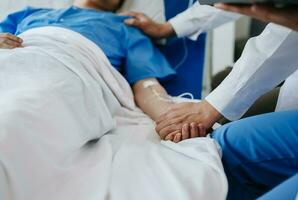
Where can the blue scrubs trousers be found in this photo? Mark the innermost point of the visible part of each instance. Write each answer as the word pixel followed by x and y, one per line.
pixel 259 153
pixel 286 190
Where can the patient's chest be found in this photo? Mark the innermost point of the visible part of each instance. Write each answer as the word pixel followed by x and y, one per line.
pixel 105 29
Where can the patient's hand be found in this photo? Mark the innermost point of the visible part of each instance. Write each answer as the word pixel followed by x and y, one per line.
pixel 9 41
pixel 148 26
pixel 188 131
pixel 185 120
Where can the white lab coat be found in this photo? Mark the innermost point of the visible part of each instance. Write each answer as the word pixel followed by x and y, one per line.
pixel 266 61
pixel 200 18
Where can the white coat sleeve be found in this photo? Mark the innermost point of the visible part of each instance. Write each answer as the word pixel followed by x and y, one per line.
pixel 200 18
pixel 267 60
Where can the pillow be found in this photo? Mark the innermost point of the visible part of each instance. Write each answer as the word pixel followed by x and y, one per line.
pixel 155 9
pixel 152 8
pixel 9 6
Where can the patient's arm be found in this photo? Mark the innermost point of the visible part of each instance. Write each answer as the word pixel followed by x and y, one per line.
pixel 151 97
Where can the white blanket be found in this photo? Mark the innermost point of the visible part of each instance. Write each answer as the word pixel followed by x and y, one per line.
pixel 58 93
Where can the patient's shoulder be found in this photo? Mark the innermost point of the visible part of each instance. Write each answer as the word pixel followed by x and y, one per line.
pixel 32 8
pixel 26 11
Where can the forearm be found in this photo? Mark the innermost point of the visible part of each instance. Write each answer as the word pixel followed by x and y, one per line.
pixel 151 97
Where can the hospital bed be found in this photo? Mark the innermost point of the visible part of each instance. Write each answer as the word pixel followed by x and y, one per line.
pixel 128 163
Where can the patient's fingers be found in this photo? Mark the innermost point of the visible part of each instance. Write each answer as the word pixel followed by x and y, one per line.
pixel 169 129
pixel 202 131
pixel 194 132
pixel 9 36
pixel 14 38
pixel 4 37
pixel 177 137
pixel 171 135
pixel 7 46
pixel 9 41
pixel 12 43
pixel 185 132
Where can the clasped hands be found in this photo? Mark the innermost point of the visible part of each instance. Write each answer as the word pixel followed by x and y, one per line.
pixel 187 120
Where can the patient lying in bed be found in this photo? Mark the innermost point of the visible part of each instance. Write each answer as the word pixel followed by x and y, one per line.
pixel 61 92
pixel 127 49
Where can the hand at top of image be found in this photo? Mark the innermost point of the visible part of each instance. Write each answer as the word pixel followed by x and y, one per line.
pixel 285 16
pixel 148 26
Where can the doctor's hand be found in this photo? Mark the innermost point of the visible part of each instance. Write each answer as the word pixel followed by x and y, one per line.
pixel 287 16
pixel 148 26
pixel 9 41
pixel 183 118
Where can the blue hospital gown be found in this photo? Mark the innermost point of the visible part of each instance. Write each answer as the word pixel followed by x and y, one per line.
pixel 128 50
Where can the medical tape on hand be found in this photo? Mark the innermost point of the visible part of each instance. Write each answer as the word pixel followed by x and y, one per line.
pixel 149 83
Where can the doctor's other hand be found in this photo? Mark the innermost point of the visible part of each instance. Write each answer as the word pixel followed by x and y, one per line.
pixel 148 26
pixel 285 16
pixel 9 41
pixel 182 115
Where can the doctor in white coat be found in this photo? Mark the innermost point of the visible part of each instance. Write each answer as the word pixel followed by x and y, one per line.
pixel 259 152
